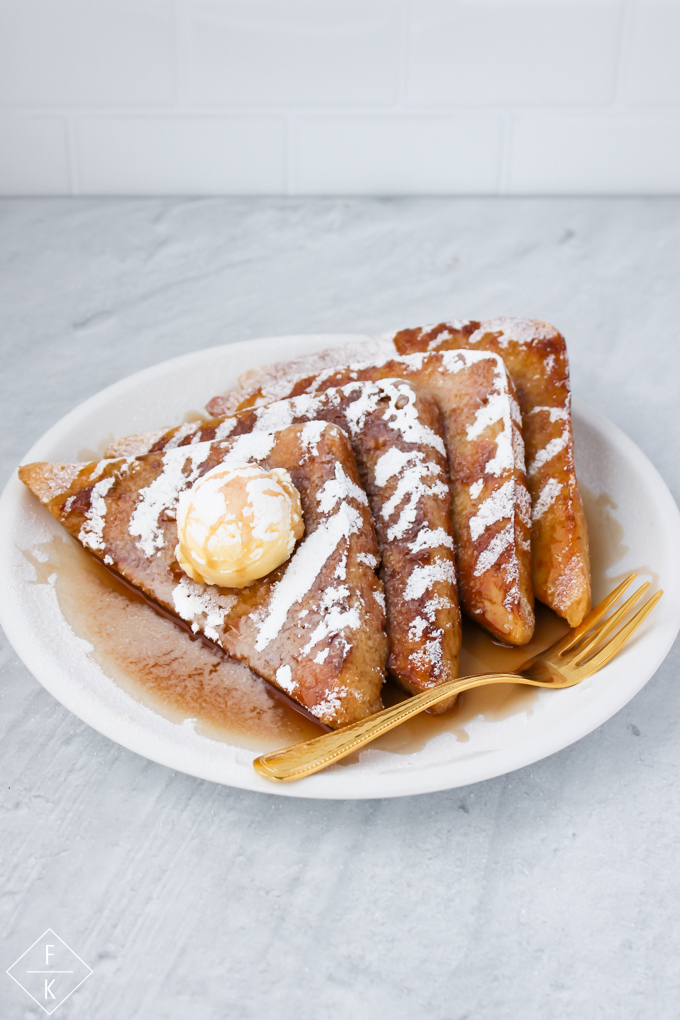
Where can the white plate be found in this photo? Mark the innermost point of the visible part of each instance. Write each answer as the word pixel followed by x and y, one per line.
pixel 608 463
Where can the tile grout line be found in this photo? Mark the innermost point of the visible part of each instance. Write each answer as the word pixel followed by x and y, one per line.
pixel 290 152
pixel 72 150
pixel 404 41
pixel 432 112
pixel 181 105
pixel 506 144
pixel 622 56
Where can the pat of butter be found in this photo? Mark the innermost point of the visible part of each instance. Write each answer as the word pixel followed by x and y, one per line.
pixel 237 524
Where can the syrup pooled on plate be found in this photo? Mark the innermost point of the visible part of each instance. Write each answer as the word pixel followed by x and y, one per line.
pixel 156 662
pixel 480 654
pixel 162 667
pixel 159 664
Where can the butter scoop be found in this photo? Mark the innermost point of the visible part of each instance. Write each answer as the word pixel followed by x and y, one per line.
pixel 237 524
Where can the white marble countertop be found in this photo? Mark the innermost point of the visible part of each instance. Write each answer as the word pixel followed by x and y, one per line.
pixel 552 892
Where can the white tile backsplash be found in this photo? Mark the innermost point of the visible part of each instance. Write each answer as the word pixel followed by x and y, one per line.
pixel 87 53
pixel 652 68
pixel 181 155
pixel 398 155
pixel 301 52
pixel 513 52
pixel 332 96
pixel 601 154
pixel 34 156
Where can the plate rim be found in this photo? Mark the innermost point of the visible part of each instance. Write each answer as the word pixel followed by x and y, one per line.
pixel 409 783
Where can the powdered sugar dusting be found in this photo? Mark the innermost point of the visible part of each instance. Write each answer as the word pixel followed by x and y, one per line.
pixel 91 533
pixel 303 569
pixel 523 331
pixel 495 549
pixel 554 413
pixel 425 576
pixel 416 478
pixel 55 479
pixel 445 334
pixel 418 625
pixel 369 559
pixel 203 606
pixel 284 678
pixel 432 654
pixel 554 447
pixel 498 407
pixel 312 364
pixel 225 428
pixel 337 489
pixel 431 539
pixel 498 506
pixel 401 413
pixel 336 616
pixel 311 434
pixel 162 494
pixel 187 429
pixel 331 705
pixel 133 446
pixel 249 447
pixel 559 443
pixel 547 497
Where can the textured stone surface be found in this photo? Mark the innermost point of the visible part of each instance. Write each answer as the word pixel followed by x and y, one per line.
pixel 551 892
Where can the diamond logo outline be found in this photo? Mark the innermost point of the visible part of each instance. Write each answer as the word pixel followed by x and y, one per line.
pixel 51 932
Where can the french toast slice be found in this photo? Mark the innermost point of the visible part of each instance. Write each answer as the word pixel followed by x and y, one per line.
pixel 491 508
pixel 536 358
pixel 314 627
pixel 397 436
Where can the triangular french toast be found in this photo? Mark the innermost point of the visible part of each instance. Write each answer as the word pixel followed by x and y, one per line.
pixel 315 626
pixel 491 507
pixel 398 441
pixel 536 357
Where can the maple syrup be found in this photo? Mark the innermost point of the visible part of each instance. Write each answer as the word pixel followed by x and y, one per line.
pixel 157 662
pixel 160 665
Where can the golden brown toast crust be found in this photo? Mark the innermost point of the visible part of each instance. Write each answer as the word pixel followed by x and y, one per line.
pixel 315 626
pixel 536 358
pixel 410 501
pixel 491 517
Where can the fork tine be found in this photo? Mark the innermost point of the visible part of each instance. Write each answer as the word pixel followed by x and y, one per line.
pixel 598 636
pixel 618 641
pixel 594 616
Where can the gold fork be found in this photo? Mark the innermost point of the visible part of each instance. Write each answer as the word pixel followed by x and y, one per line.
pixel 570 660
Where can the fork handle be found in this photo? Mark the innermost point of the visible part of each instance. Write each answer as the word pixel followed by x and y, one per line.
pixel 313 755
